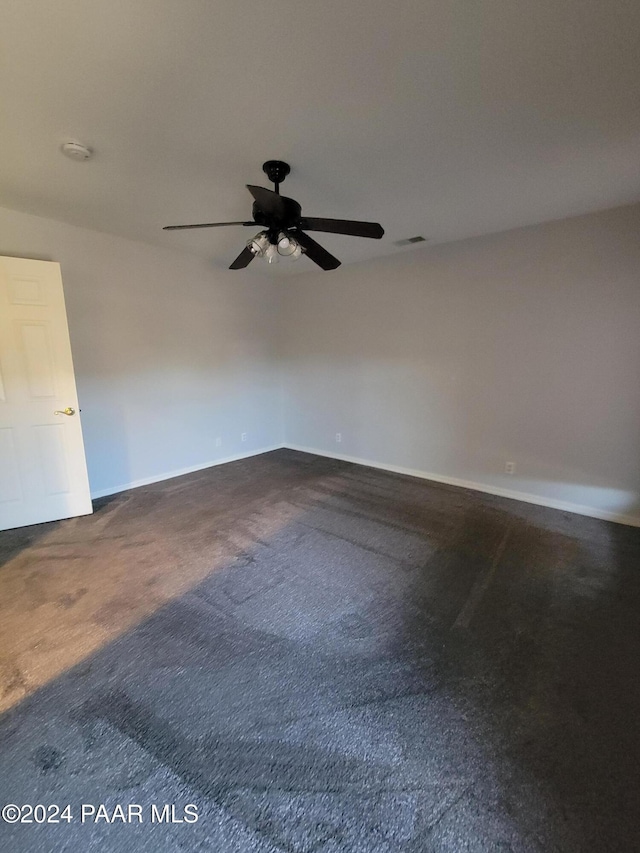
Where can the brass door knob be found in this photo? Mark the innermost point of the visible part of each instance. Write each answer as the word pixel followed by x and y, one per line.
pixel 68 411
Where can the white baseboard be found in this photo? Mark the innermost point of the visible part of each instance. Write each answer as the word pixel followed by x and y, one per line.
pixel 566 506
pixel 168 475
pixel 512 494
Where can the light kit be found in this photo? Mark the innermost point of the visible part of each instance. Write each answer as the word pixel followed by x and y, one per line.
pixel 272 246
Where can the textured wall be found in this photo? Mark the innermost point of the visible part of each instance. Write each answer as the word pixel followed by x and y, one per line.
pixel 169 354
pixel 451 360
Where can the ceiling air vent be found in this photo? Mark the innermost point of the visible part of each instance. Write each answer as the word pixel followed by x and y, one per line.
pixel 410 240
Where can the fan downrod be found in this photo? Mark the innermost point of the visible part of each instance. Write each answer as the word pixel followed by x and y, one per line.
pixel 276 171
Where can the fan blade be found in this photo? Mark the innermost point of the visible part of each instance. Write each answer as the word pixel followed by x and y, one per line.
pixel 204 225
pixel 269 202
pixel 243 260
pixel 343 226
pixel 315 252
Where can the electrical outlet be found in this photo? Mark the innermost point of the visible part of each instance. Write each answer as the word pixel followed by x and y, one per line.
pixel 218 442
pixel 338 437
pixel 243 436
pixel 509 467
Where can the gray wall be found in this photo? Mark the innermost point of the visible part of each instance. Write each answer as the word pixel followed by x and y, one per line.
pixel 446 361
pixel 451 360
pixel 169 354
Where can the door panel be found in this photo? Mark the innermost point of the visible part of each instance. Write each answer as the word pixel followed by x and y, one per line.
pixel 53 458
pixel 38 358
pixel 10 480
pixel 43 473
pixel 26 291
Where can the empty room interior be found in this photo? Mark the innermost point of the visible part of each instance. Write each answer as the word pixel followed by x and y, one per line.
pixel 320 426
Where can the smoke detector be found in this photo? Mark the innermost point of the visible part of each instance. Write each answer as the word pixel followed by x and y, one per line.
pixel 76 151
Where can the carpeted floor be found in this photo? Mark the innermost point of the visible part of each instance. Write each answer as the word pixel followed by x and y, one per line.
pixel 321 657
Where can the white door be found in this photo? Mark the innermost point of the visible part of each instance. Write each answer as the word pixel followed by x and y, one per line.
pixel 43 472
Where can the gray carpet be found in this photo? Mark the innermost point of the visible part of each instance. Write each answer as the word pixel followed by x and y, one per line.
pixel 323 657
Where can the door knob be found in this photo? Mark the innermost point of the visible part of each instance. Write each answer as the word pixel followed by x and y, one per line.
pixel 67 411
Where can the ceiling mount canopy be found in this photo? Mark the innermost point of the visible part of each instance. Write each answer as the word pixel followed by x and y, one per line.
pixel 276 171
pixel 284 227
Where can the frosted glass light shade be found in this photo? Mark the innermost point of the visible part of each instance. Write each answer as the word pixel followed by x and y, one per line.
pixel 259 244
pixel 287 245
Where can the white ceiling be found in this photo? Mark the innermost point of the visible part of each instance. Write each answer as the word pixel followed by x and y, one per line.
pixel 446 118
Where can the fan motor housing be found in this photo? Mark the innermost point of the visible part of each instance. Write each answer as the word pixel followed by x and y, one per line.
pixel 289 219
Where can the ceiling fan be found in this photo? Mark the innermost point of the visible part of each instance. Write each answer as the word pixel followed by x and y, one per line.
pixel 284 226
